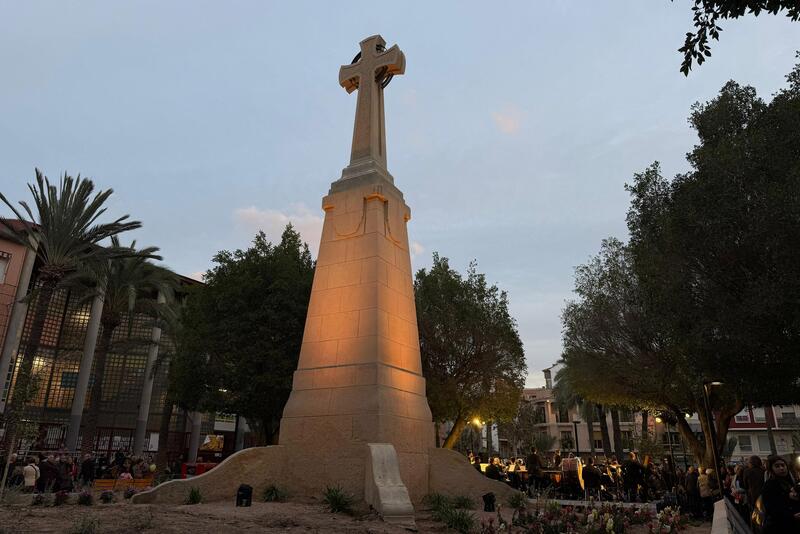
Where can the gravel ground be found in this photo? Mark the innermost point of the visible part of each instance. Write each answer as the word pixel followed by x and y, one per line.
pixel 212 518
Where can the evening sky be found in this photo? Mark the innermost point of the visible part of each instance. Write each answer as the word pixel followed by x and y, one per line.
pixel 511 134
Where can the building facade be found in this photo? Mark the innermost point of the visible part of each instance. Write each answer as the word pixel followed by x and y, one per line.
pixel 57 364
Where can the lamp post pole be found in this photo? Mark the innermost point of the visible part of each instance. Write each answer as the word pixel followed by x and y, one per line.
pixel 577 447
pixel 711 428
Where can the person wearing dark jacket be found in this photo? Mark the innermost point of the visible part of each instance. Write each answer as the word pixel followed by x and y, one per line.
pixel 592 478
pixel 693 491
pixel 493 469
pixel 632 476
pixel 48 479
pixel 753 480
pixel 87 472
pixel 781 500
pixel 534 465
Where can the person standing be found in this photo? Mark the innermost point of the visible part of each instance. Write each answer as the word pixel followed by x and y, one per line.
pixel 534 465
pixel 753 481
pixel 87 472
pixel 31 474
pixel 693 491
pixel 632 476
pixel 707 486
pixel 48 477
pixel 780 498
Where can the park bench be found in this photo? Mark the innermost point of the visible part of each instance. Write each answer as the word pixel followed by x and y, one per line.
pixel 110 484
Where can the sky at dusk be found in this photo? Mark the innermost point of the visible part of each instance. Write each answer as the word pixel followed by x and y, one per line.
pixel 511 134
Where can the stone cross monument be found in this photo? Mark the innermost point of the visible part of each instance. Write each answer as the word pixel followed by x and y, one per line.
pixel 357 416
pixel 359 379
pixel 369 73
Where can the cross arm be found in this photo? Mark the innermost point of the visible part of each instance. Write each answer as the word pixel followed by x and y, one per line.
pixel 393 59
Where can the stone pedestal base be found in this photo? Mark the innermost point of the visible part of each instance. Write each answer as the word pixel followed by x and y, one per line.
pixel 302 475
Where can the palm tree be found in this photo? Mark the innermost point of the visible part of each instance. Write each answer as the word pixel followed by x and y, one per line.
pixel 615 428
pixel 566 397
pixel 62 230
pixel 602 413
pixel 186 386
pixel 130 284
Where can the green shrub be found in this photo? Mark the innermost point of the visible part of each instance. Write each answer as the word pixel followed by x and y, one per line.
pixel 10 495
pixel 436 501
pixel 463 502
pixel 85 498
pixel 337 500
pixel 458 519
pixel 143 521
pixel 195 496
pixel 60 497
pixel 84 524
pixel 273 493
pixel 518 501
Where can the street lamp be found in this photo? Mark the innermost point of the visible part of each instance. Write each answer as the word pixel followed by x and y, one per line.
pixel 709 416
pixel 577 448
pixel 666 421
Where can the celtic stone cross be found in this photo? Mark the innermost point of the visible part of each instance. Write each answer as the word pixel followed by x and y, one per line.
pixel 369 73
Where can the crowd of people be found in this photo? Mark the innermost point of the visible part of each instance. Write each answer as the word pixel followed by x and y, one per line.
pixel 60 471
pixel 767 496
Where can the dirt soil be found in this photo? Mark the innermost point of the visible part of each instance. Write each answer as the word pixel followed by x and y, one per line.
pixel 212 518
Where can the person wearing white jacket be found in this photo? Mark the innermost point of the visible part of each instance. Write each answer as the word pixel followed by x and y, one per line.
pixel 31 473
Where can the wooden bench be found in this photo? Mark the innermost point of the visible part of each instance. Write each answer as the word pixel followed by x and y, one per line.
pixel 110 484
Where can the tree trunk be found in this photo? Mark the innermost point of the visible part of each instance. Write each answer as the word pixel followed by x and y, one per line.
pixel 601 412
pixel 618 448
pixel 436 434
pixel 708 427
pixel 697 447
pixel 644 423
pixel 92 418
pixel 769 416
pixel 590 426
pixel 163 435
pixel 452 438
pixel 23 391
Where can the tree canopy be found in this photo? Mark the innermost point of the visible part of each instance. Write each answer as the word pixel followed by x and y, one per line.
pixel 247 322
pixel 709 284
pixel 472 356
pixel 707 13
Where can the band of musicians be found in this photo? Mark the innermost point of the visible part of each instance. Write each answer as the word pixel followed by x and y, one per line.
pixel 632 480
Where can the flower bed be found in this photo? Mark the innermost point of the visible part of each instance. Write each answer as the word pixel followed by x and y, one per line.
pixel 552 518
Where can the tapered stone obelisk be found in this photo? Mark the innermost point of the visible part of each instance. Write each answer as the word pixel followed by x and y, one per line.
pixel 359 378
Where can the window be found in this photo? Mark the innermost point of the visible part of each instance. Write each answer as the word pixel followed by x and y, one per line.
pixel 598 444
pixel 743 416
pixel 566 439
pixel 763 443
pixel 5 258
pixel 759 416
pixel 745 444
pixel 627 439
pixel 563 415
pixel 625 415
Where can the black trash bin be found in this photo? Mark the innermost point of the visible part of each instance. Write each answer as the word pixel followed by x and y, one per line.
pixel 244 495
pixel 488 502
